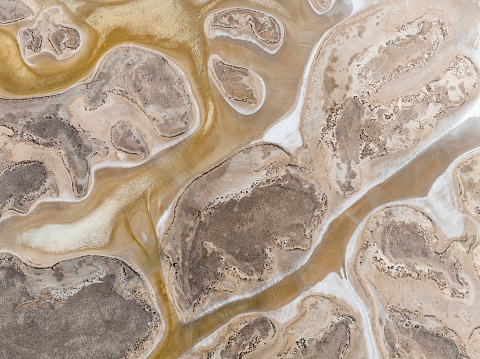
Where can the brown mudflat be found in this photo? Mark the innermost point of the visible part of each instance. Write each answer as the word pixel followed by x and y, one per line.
pixel 142 216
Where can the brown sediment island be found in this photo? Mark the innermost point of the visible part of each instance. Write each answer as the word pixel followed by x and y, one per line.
pixel 68 309
pixel 321 326
pixel 95 122
pixel 242 88
pixel 262 29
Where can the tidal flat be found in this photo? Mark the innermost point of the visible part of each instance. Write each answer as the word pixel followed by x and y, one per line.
pixel 257 179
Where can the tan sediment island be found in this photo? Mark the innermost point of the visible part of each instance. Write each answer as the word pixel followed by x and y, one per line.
pixel 242 88
pixel 262 29
pixel 258 179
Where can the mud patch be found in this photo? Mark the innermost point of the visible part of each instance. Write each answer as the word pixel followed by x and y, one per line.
pixel 262 29
pixel 148 81
pixel 410 335
pixel 223 240
pixel 320 327
pixel 321 6
pixel 13 11
pixel 242 88
pixel 89 306
pixel 22 183
pixel 402 242
pixel 358 110
pixel 128 139
pixel 90 123
pixel 51 35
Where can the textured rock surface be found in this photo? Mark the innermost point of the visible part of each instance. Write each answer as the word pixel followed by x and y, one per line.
pixel 22 183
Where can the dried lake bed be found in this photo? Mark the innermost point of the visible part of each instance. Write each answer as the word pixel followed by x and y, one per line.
pixel 263 179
